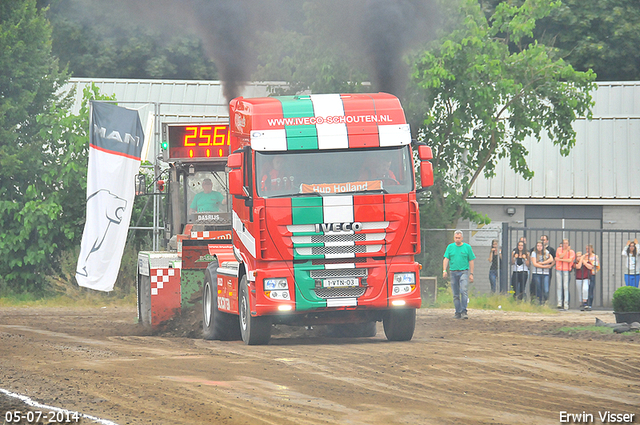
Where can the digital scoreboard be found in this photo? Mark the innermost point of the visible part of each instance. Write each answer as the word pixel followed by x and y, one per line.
pixel 195 142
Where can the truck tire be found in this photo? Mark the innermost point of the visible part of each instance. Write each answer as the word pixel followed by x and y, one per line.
pixel 353 330
pixel 399 324
pixel 254 330
pixel 215 323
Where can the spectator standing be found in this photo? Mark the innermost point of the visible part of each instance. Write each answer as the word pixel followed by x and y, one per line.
pixel 526 279
pixel 583 277
pixel 630 260
pixel 520 265
pixel 552 251
pixel 545 241
pixel 592 259
pixel 461 258
pixel 565 259
pixel 541 263
pixel 495 255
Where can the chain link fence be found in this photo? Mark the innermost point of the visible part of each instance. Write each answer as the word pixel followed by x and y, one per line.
pixel 608 245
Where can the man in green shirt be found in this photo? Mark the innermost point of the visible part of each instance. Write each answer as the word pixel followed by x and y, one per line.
pixel 459 256
pixel 207 200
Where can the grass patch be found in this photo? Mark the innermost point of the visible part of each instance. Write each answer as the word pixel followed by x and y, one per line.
pixel 94 299
pixel 491 302
pixel 578 329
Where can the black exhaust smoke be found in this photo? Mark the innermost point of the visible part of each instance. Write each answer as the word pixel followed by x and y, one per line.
pixel 226 29
pixel 389 29
pixel 384 34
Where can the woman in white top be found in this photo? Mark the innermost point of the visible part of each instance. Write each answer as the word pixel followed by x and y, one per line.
pixel 541 263
pixel 520 262
pixel 630 261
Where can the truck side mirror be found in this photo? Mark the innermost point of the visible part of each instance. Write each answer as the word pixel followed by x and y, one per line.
pixel 236 174
pixel 426 174
pixel 425 153
pixel 426 168
pixel 236 186
pixel 235 160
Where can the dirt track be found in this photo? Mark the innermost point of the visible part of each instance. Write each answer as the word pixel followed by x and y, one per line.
pixel 496 367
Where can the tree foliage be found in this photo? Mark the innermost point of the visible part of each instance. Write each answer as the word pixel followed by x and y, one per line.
pixel 485 87
pixel 601 35
pixel 94 42
pixel 43 151
pixel 311 56
pixel 29 79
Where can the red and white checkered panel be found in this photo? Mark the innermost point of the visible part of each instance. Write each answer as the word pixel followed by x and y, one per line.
pixel 199 235
pixel 159 277
pixel 214 234
pixel 165 294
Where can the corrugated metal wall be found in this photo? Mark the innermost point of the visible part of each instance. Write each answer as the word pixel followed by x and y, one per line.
pixel 604 164
pixel 178 100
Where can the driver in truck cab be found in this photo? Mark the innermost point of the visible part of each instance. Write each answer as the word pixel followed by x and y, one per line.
pixel 275 178
pixel 208 200
pixel 378 169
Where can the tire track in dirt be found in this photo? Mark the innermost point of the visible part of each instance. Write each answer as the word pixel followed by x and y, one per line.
pixel 405 387
pixel 494 368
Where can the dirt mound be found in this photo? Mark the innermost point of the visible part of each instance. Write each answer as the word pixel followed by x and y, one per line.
pixel 187 324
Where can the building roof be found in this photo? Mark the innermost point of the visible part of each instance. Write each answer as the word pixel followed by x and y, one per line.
pixel 603 167
pixel 167 101
pixel 175 100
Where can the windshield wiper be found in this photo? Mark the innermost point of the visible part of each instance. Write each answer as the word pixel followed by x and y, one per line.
pixel 296 195
pixel 369 191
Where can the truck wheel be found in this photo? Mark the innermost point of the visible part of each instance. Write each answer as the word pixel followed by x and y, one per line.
pixel 215 323
pixel 353 330
pixel 399 324
pixel 254 330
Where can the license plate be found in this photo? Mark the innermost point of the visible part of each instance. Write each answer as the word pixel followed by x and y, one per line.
pixel 341 282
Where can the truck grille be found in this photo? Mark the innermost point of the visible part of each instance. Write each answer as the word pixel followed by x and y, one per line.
pixel 338 244
pixel 338 238
pixel 332 261
pixel 338 249
pixel 323 250
pixel 329 273
pixel 340 292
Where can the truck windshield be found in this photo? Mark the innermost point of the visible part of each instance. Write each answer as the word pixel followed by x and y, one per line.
pixel 206 197
pixel 382 170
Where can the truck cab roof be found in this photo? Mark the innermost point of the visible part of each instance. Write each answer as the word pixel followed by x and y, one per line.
pixel 318 121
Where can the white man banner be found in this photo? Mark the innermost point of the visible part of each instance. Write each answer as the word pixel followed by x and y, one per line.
pixel 115 145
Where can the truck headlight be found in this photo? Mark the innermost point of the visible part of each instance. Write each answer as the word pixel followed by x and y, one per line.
pixel 404 279
pixel 273 284
pixel 403 283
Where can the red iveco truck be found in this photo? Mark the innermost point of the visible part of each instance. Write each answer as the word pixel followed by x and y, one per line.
pixel 325 222
pixel 317 220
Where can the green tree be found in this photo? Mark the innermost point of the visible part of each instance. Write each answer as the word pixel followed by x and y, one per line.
pixel 481 90
pixel 601 35
pixel 29 79
pixel 311 56
pixel 94 42
pixel 43 152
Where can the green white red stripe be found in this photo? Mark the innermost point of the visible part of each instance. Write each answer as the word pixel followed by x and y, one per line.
pixel 329 121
